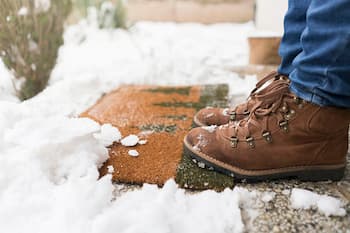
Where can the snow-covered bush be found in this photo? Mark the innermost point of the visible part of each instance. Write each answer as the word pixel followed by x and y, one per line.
pixel 30 35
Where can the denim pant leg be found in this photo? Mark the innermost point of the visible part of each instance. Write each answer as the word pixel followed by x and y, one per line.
pixel 321 71
pixel 294 25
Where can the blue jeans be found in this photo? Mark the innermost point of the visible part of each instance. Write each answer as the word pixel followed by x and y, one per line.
pixel 315 51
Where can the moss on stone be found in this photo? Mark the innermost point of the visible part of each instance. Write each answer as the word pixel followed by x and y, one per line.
pixel 188 174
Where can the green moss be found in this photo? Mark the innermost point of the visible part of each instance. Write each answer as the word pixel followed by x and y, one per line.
pixel 189 175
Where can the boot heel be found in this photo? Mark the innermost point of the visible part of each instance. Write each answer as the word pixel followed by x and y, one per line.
pixel 322 175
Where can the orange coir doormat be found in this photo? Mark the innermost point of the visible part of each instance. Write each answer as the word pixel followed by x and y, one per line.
pixel 162 116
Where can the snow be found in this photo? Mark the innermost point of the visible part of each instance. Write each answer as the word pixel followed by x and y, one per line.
pixel 226 112
pixel 110 169
pixel 327 205
pixel 108 135
pixel 133 153
pixel 130 140
pixel 142 142
pixel 268 196
pixel 49 158
pixel 210 128
pixel 171 210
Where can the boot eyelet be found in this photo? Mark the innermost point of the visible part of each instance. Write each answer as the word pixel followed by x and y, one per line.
pixel 246 112
pixel 232 116
pixel 250 141
pixel 297 100
pixel 267 136
pixel 284 125
pixel 284 109
pixel 234 141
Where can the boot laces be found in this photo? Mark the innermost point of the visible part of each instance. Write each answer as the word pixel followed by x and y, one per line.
pixel 274 103
pixel 272 76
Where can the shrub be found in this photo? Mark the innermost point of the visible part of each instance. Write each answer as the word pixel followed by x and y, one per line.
pixel 30 35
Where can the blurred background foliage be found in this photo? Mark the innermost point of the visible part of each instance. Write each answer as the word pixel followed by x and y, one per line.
pixel 31 33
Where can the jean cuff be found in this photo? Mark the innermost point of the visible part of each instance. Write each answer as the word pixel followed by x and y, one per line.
pixel 307 95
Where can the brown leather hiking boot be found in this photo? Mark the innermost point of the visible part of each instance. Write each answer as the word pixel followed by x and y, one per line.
pixel 220 116
pixel 283 136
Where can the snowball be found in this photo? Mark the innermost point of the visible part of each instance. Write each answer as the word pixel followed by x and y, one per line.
pixel 108 135
pixel 305 199
pixel 130 140
pixel 133 153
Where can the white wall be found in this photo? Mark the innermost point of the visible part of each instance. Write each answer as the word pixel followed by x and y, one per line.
pixel 270 14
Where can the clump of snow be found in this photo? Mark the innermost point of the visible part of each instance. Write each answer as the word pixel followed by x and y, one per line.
pixel 110 169
pixel 130 140
pixel 23 11
pixel 142 142
pixel 305 199
pixel 108 135
pixel 133 153
pixel 210 129
pixel 268 196
pixel 225 112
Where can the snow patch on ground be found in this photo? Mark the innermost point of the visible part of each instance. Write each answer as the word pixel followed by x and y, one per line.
pixel 305 199
pixel 49 159
pixel 172 210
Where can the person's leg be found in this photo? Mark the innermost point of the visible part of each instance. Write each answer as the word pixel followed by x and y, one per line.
pixel 289 132
pixel 322 70
pixel 294 25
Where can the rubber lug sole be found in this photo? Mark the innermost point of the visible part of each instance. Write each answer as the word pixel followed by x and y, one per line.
pixel 310 174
